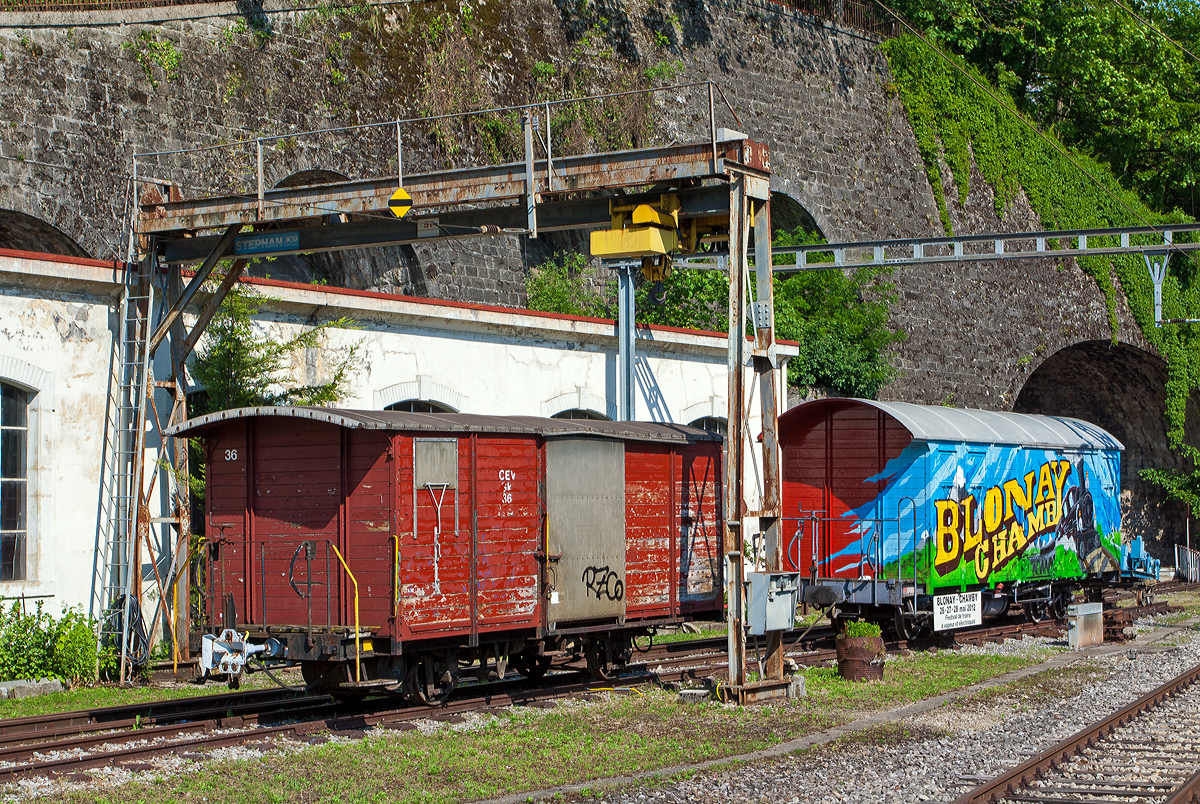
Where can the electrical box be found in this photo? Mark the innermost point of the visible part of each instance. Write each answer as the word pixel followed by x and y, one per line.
pixel 773 597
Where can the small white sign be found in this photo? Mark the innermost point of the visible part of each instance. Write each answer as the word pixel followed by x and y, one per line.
pixel 957 611
pixel 428 227
pixel 554 598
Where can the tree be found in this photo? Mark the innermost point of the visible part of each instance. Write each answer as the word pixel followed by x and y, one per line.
pixel 239 366
pixel 839 318
pixel 1099 78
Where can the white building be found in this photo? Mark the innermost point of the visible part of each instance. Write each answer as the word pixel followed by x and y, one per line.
pixel 58 316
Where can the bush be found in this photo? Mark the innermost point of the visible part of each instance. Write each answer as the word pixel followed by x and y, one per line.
pixel 857 629
pixel 36 645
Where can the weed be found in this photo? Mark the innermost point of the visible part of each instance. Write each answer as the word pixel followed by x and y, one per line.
pixel 149 51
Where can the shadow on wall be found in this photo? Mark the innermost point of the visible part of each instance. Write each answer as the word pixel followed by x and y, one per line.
pixel 23 232
pixel 1122 389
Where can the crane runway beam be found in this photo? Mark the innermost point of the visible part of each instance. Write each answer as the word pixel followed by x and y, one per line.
pixel 591 172
pixel 700 202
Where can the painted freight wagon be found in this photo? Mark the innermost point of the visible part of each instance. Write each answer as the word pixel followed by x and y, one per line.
pixel 382 549
pixel 894 510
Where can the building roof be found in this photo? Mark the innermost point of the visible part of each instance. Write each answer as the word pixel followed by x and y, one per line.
pixel 937 423
pixel 454 423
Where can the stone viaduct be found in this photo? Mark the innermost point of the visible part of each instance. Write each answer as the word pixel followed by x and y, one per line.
pixel 81 91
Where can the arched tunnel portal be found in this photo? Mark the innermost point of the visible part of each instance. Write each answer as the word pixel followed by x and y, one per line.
pixel 1122 389
pixel 21 232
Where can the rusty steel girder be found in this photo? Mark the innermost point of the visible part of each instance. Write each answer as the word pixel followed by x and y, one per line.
pixel 590 172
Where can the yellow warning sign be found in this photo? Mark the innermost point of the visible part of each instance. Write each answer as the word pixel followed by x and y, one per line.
pixel 400 203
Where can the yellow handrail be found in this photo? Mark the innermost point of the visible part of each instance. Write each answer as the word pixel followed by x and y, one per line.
pixel 396 575
pixel 357 643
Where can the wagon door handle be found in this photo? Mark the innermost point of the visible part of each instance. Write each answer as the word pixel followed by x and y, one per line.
pixel 545 557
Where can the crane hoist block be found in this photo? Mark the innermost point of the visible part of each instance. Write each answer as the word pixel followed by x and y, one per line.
pixel 641 230
pixel 636 241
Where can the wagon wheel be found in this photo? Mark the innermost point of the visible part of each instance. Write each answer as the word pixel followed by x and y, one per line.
pixel 531 665
pixel 421 686
pixel 598 663
pixel 906 627
pixel 1036 612
pixel 1056 609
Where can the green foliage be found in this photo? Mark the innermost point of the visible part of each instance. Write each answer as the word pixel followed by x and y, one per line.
pixel 695 299
pixel 35 645
pixel 956 120
pixel 840 320
pixel 239 366
pixel 563 285
pixel 863 629
pixel 149 51
pixel 1105 82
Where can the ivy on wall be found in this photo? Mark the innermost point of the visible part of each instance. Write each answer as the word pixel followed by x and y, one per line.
pixel 956 121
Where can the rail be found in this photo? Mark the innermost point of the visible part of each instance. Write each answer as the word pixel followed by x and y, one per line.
pixel 1028 771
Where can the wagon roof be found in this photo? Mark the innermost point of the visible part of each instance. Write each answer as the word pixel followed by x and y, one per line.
pixel 454 423
pixel 937 423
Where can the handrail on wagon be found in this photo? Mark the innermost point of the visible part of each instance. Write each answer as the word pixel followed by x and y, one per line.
pixel 357 638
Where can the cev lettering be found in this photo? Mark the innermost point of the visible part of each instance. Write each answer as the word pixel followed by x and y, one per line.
pixel 507 475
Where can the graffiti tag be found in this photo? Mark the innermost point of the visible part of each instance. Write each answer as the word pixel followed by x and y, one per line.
pixel 989 534
pixel 603 583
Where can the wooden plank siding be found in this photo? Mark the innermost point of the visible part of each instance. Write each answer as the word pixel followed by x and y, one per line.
pixel 276 485
pixel 827 458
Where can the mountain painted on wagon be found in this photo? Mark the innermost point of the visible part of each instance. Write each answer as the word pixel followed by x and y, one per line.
pixel 967 514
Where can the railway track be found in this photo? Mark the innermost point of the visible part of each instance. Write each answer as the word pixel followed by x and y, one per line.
pixel 93 739
pixel 1148 752
pixel 133 735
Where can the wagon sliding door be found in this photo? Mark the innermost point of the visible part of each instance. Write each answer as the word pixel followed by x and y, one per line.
pixel 435 555
pixel 585 512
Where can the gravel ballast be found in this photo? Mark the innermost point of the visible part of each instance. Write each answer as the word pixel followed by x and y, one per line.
pixel 937 755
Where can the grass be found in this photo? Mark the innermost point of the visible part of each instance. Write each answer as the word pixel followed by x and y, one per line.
pixel 1189 601
pixel 1054 684
pixel 707 630
pixel 103 695
pixel 907 680
pixel 520 749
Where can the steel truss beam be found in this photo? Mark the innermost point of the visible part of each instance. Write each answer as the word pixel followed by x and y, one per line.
pixel 701 202
pixel 573 174
pixel 989 247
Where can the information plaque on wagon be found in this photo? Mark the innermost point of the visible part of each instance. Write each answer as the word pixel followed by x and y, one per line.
pixel 956 611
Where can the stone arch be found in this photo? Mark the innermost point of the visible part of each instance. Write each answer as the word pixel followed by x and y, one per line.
pixel 311 178
pixel 788 213
pixel 22 232
pixel 581 399
pixel 422 389
pixel 1123 389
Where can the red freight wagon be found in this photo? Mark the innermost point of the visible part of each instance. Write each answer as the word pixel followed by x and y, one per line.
pixel 449 540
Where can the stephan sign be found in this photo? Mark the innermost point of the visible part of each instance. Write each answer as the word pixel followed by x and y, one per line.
pixel 957 611
pixel 266 243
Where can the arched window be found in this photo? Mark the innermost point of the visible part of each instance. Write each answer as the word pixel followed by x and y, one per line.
pixel 420 406
pixel 580 413
pixel 14 480
pixel 713 424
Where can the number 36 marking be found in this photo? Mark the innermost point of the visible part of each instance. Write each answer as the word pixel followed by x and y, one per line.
pixel 231 454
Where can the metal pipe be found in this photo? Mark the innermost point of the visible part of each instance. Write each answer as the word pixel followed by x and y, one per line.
pixel 712 125
pixel 357 641
pixel 261 206
pixel 549 153
pixel 399 156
